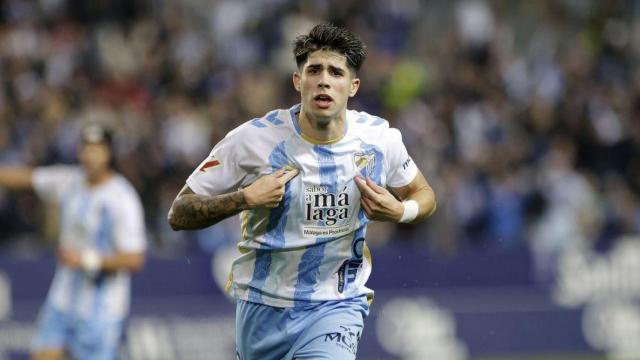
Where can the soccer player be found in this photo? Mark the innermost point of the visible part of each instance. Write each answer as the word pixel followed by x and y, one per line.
pixel 102 240
pixel 306 181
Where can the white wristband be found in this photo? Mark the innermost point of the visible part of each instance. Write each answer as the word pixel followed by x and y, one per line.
pixel 91 261
pixel 411 209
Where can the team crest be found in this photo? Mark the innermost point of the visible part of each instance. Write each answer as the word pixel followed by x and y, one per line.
pixel 364 162
pixel 210 163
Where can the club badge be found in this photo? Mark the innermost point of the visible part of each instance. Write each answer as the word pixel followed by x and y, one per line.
pixel 364 162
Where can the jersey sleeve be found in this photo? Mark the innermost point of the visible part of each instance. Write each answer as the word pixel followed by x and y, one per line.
pixel 129 229
pixel 50 182
pixel 221 172
pixel 401 169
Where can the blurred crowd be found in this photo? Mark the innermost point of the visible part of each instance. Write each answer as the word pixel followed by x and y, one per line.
pixel 524 115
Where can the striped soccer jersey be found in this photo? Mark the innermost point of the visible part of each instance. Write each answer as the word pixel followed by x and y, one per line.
pixel 311 247
pixel 106 218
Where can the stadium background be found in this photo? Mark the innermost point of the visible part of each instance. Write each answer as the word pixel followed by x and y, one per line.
pixel 524 115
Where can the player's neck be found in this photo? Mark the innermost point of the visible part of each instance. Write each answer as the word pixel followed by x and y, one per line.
pixel 100 178
pixel 322 130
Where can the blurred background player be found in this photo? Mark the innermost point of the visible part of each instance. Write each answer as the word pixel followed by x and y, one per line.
pixel 102 240
pixel 307 180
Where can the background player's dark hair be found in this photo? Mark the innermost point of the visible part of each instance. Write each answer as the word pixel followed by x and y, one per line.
pixel 333 38
pixel 97 134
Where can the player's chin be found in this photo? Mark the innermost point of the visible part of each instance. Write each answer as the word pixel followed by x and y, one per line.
pixel 92 169
pixel 323 109
pixel 328 113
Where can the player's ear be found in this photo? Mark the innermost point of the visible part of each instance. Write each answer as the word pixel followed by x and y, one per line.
pixel 355 85
pixel 296 81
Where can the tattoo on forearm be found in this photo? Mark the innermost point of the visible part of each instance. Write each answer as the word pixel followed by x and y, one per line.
pixel 191 211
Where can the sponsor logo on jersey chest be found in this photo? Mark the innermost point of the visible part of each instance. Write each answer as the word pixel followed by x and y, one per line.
pixel 327 210
pixel 324 206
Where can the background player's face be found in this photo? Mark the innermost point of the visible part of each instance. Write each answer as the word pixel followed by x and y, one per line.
pixel 325 83
pixel 94 158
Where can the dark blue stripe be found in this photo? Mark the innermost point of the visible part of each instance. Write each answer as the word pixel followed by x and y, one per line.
pixel 274 237
pixel 78 275
pixel 76 288
pixel 272 117
pixel 256 122
pixel 377 121
pixel 308 272
pixel 309 267
pixel 260 273
pixel 376 176
pixel 293 111
pixel 103 243
pixel 328 176
pixel 103 235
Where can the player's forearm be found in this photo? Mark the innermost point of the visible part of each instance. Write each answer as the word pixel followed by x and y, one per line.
pixel 15 178
pixel 193 211
pixel 426 199
pixel 123 261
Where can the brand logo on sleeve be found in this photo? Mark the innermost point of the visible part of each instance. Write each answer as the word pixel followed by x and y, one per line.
pixel 406 163
pixel 210 163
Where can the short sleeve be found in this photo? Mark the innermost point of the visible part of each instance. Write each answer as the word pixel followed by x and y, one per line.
pixel 401 168
pixel 50 182
pixel 129 229
pixel 220 172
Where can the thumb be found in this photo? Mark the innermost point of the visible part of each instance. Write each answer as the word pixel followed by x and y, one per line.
pixel 290 174
pixel 278 173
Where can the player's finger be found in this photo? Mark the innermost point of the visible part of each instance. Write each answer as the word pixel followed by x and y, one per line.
pixel 274 203
pixel 367 209
pixel 364 188
pixel 375 187
pixel 278 173
pixel 289 174
pixel 371 204
pixel 278 190
pixel 359 183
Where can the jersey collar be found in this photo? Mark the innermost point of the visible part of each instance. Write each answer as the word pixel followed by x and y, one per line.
pixel 294 120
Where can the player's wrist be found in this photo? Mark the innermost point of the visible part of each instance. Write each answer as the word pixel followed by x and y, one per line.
pixel 410 211
pixel 91 261
pixel 246 202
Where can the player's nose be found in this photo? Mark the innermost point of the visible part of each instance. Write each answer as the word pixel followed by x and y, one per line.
pixel 323 81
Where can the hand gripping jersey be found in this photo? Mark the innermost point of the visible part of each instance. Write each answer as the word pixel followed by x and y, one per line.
pixel 106 218
pixel 311 247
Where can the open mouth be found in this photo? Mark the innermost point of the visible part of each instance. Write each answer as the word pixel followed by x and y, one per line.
pixel 323 101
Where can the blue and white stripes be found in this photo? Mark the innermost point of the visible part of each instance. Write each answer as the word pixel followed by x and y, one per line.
pixel 311 247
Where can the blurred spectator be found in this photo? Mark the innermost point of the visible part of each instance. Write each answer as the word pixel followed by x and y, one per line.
pixel 524 115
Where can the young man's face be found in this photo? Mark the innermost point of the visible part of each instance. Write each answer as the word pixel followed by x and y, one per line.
pixel 95 158
pixel 325 83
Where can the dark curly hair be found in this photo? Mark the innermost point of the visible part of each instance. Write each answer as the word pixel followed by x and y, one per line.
pixel 333 38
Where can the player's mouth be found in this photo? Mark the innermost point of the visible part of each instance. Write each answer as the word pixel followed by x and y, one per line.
pixel 323 101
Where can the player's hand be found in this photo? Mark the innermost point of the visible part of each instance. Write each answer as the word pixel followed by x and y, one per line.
pixel 70 257
pixel 268 190
pixel 377 202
